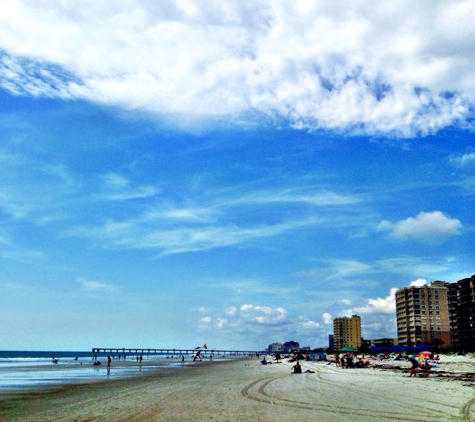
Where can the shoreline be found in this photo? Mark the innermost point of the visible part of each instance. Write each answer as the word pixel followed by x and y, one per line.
pixel 244 390
pixel 25 376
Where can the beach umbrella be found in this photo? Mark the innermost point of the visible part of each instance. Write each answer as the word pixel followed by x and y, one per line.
pixel 406 348
pixel 423 347
pixel 423 355
pixel 380 349
pixel 348 349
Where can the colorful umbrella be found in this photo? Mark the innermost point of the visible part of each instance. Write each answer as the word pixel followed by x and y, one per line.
pixel 423 356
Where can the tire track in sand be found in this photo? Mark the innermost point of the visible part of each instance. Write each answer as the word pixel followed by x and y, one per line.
pixel 466 410
pixel 259 391
pixel 399 399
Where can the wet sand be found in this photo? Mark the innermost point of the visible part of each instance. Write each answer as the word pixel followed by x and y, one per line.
pixel 244 390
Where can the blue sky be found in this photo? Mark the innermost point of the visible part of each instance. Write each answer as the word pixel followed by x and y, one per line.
pixel 236 175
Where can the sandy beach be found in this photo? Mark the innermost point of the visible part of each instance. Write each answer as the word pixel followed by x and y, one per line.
pixel 244 390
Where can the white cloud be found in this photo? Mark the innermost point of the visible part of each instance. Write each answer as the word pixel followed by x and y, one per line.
pixel 385 305
pixel 248 322
pixel 419 282
pixel 370 66
pixel 327 318
pixel 221 322
pixel 308 324
pixel 246 307
pixel 231 310
pixel 203 309
pixel 263 314
pixel 425 226
pixel 204 322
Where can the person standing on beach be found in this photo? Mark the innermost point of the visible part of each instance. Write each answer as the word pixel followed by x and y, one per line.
pixel 109 362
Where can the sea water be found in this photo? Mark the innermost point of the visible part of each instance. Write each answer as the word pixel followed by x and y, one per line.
pixel 25 369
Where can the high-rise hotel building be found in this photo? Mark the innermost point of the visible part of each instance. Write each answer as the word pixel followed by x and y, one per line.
pixel 462 313
pixel 347 332
pixel 422 314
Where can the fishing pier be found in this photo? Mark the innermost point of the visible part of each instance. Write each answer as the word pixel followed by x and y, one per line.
pixel 148 351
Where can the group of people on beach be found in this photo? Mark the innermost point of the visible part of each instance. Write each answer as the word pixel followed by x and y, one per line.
pixel 350 360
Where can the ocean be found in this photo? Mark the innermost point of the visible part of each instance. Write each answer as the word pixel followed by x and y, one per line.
pixel 26 369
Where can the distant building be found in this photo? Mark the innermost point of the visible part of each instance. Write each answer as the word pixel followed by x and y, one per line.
pixel 366 344
pixel 276 347
pixel 381 342
pixel 291 346
pixel 331 342
pixel 422 314
pixel 347 332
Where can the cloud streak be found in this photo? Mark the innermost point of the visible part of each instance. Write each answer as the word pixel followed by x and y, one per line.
pixel 370 67
pixel 93 286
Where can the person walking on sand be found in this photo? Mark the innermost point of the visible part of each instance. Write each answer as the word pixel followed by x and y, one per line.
pixel 337 359
pixel 415 366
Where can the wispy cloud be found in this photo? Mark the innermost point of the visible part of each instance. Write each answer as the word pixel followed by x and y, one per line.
pixel 295 195
pixel 226 218
pixel 415 266
pixel 132 234
pixel 119 188
pixel 13 251
pixel 464 160
pixel 96 286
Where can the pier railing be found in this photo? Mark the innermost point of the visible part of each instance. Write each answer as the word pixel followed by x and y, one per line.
pixel 162 351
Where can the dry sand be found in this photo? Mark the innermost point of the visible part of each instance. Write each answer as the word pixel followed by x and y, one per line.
pixel 244 390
